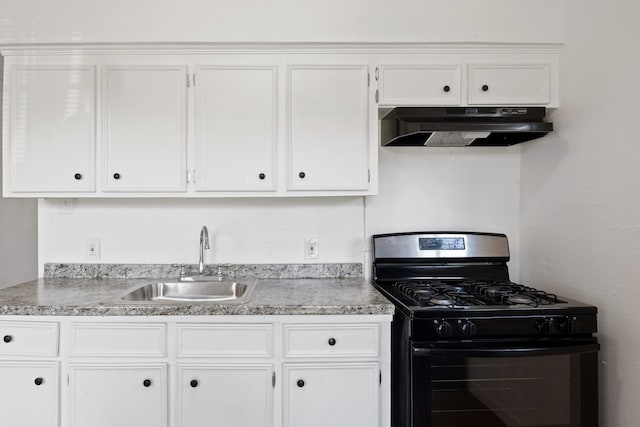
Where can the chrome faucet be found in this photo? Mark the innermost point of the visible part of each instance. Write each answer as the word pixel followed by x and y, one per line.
pixel 204 244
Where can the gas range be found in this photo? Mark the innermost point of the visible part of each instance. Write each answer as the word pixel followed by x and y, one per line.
pixel 471 347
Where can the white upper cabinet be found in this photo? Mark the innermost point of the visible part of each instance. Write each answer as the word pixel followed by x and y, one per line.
pixel 284 120
pixel 327 131
pixel 460 78
pixel 509 84
pixel 236 128
pixel 144 127
pixel 419 85
pixel 51 129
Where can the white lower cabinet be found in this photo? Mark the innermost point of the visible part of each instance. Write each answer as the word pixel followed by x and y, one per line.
pixel 225 395
pixel 336 395
pixel 29 394
pixel 195 371
pixel 123 396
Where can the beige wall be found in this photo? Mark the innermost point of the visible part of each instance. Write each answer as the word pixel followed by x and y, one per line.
pixel 580 195
pixel 18 236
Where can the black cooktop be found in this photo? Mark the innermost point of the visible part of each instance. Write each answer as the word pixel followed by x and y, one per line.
pixel 470 293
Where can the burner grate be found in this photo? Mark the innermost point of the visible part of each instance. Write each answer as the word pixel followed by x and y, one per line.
pixel 468 293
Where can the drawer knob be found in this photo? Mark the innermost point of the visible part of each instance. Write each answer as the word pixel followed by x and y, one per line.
pixel 300 383
pixel 332 341
pixel 302 174
pixel 146 383
pixel 194 383
pixel 262 176
pixel 78 176
pixel 485 88
pixel 38 381
pixel 116 175
pixel 446 88
pixel 7 338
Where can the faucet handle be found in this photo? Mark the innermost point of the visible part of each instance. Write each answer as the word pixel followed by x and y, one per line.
pixel 182 269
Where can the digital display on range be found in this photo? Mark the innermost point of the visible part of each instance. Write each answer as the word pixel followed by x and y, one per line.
pixel 441 244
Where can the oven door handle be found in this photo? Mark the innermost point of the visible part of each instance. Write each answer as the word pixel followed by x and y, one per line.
pixel 509 351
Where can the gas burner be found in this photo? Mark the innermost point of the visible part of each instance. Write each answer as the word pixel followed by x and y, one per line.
pixel 442 300
pixel 521 299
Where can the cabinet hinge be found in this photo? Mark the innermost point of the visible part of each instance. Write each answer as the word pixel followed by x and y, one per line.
pixel 376 96
pixel 67 379
pixel 273 379
pixel 194 79
pixel 368 175
pixel 368 79
pixel 380 377
pixel 188 80
pixel 377 74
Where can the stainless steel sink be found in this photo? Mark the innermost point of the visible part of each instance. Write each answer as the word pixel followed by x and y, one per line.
pixel 198 291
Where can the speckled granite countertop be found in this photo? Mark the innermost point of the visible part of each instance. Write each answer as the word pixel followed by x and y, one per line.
pixel 101 297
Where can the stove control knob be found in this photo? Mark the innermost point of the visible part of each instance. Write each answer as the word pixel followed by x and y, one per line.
pixel 468 328
pixel 543 326
pixel 444 329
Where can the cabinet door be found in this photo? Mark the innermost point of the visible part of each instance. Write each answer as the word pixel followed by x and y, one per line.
pixel 52 129
pixel 236 124
pixel 144 123
pixel 527 84
pixel 123 396
pixel 29 394
pixel 345 395
pixel 327 128
pixel 419 85
pixel 223 395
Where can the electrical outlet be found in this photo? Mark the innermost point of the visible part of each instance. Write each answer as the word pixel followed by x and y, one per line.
pixel 311 248
pixel 92 249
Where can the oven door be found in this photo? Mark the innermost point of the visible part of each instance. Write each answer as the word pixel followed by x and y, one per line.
pixel 504 384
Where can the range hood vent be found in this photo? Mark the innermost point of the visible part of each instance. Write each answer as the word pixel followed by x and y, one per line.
pixel 462 126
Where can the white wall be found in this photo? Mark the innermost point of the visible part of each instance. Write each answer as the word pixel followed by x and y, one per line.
pixel 94 21
pixel 167 231
pixel 448 189
pixel 475 189
pixel 18 235
pixel 580 208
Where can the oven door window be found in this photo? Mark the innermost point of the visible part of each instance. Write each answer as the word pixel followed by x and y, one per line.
pixel 505 387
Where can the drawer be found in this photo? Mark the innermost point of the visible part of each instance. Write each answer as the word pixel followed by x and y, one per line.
pixel 118 339
pixel 29 339
pixel 248 340
pixel 331 340
pixel 233 340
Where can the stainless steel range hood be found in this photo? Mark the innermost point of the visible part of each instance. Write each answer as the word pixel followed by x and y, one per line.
pixel 462 126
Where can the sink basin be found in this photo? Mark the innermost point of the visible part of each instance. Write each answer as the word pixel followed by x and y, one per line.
pixel 200 291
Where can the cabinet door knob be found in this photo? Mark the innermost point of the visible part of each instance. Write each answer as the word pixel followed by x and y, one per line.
pixel 302 174
pixel 116 175
pixel 78 176
pixel 38 381
pixel 485 88
pixel 300 383
pixel 262 176
pixel 7 338
pixel 146 383
pixel 194 383
pixel 446 88
pixel 332 341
